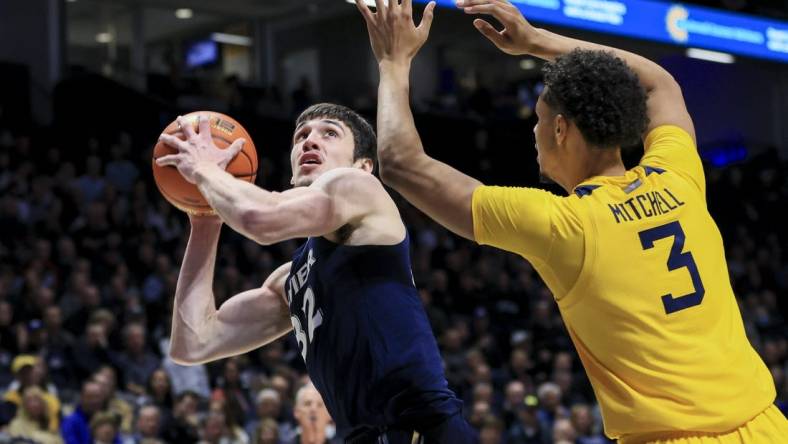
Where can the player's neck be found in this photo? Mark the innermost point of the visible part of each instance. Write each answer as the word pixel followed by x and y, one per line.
pixel 597 162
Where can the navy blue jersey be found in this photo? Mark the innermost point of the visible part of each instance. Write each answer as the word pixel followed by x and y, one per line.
pixel 365 337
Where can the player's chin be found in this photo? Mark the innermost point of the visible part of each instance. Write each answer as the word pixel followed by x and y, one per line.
pixel 302 181
pixel 306 179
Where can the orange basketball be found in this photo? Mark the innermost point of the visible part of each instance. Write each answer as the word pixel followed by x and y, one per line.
pixel 224 130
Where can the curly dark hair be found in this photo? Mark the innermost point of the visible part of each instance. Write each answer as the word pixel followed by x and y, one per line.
pixel 366 146
pixel 599 93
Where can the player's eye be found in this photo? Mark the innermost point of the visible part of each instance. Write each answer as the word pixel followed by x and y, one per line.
pixel 331 133
pixel 300 136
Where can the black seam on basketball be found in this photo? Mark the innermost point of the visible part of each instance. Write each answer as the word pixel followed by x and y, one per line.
pixel 171 196
pixel 179 203
pixel 254 164
pixel 249 158
pixel 216 137
pixel 176 201
pixel 172 199
pixel 251 165
pixel 253 173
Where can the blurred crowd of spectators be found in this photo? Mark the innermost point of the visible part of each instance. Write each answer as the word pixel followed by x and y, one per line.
pixel 89 256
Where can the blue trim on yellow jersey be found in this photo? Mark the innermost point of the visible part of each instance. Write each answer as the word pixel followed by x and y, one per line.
pixel 585 190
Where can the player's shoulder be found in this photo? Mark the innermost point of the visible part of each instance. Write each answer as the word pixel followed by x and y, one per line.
pixel 347 176
pixel 530 199
pixel 350 182
pixel 363 198
pixel 515 193
pixel 669 135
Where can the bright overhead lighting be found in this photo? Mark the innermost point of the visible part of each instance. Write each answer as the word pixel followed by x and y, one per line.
pixel 711 56
pixel 103 37
pixel 527 64
pixel 231 39
pixel 71 1
pixel 184 13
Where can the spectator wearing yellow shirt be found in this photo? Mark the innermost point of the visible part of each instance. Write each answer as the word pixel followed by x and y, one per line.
pixel 28 371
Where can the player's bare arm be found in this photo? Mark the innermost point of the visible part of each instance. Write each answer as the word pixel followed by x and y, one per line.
pixel 202 163
pixel 248 320
pixel 338 198
pixel 665 101
pixel 437 189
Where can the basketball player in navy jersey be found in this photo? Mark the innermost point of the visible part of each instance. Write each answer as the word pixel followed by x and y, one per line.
pixel 348 294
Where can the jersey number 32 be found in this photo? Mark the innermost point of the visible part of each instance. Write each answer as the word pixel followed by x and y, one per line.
pixel 313 320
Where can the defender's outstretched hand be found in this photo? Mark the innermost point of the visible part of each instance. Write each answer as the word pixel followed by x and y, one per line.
pixel 392 32
pixel 517 37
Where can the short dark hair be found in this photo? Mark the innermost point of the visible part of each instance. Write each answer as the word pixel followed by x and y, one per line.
pixel 366 146
pixel 599 93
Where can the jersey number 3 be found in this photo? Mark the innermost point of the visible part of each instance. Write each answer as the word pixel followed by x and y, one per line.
pixel 313 320
pixel 677 259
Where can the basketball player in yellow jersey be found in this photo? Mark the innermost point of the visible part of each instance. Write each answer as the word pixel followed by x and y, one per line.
pixel 633 258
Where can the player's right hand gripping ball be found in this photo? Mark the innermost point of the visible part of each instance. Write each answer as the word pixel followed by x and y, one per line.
pixel 224 130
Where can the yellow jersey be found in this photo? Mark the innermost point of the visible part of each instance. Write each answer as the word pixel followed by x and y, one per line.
pixel 637 267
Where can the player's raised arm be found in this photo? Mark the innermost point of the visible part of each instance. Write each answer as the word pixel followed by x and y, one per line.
pixel 339 197
pixel 202 163
pixel 665 101
pixel 200 331
pixel 434 187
